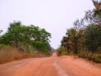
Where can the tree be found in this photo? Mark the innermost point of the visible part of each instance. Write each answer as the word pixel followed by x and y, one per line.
pixel 20 36
pixel 93 37
pixel 0 31
pixel 70 42
pixel 97 4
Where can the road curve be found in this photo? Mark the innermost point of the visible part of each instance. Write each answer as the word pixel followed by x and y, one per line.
pixel 50 66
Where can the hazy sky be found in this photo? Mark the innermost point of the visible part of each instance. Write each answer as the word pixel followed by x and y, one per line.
pixel 56 16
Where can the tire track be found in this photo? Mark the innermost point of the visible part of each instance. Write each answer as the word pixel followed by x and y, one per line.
pixel 59 69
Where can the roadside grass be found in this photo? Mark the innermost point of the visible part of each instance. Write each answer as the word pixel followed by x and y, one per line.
pixel 92 56
pixel 96 57
pixel 9 53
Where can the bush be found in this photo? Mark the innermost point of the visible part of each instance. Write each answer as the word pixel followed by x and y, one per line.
pixel 8 53
pixel 62 51
pixel 90 56
pixel 27 38
pixel 96 58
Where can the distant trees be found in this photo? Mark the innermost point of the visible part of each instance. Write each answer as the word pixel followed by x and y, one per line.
pixel 86 33
pixel 0 31
pixel 73 40
pixel 22 37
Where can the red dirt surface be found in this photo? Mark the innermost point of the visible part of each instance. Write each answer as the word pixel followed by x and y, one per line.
pixel 50 66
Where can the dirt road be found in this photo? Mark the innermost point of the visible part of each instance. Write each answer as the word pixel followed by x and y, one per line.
pixel 50 66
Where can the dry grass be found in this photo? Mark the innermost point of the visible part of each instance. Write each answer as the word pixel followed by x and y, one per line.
pixel 96 57
pixel 10 53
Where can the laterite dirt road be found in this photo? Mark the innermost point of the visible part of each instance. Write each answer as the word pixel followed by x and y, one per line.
pixel 50 66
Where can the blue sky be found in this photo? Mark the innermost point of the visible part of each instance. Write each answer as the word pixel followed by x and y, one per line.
pixel 56 16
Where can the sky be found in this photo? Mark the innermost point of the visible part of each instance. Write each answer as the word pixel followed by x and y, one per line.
pixel 56 16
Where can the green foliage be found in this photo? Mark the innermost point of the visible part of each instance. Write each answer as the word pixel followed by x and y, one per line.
pixel 82 40
pixel 84 36
pixel 93 37
pixel 26 37
pixel 74 40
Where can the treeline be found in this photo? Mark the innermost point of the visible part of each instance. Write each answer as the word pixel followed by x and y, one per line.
pixel 84 39
pixel 27 39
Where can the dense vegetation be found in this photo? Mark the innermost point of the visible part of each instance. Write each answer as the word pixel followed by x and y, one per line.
pixel 84 39
pixel 28 39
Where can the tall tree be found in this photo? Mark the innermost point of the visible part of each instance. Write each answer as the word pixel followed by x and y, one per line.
pixel 93 37
pixel 20 36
